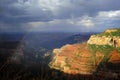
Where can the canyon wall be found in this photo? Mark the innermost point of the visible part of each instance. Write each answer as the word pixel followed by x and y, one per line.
pixel 75 59
pixel 108 37
pixel 82 59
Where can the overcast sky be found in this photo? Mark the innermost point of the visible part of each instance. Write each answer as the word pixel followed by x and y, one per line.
pixel 59 15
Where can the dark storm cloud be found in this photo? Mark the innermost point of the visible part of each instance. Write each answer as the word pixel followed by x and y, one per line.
pixel 17 12
pixel 13 11
pixel 77 8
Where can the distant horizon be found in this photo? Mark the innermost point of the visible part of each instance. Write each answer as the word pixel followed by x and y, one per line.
pixel 46 32
pixel 56 31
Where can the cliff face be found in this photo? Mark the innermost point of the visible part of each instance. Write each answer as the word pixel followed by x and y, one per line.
pixel 75 59
pixel 104 40
pixel 108 37
pixel 114 57
pixel 84 58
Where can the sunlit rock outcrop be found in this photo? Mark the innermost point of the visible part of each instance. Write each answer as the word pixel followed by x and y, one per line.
pixel 108 37
pixel 75 59
pixel 85 58
pixel 114 57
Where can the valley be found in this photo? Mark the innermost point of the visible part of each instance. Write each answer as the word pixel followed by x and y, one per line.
pixel 60 56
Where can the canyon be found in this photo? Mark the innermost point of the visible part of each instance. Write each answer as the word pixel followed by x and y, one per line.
pixel 86 58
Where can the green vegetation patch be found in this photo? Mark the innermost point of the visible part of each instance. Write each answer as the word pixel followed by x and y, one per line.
pixel 67 63
pixel 118 49
pixel 104 49
pixel 116 33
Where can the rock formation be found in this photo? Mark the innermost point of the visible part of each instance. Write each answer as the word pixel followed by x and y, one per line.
pixel 106 38
pixel 75 59
pixel 80 58
pixel 114 57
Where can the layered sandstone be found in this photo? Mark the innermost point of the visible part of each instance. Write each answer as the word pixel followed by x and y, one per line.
pixel 75 59
pixel 80 59
pixel 102 39
pixel 110 30
pixel 114 57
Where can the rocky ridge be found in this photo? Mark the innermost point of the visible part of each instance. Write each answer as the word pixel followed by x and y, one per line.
pixel 108 37
pixel 75 59
pixel 82 59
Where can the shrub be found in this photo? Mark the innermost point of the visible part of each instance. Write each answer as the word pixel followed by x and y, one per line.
pixel 104 49
pixel 118 49
pixel 116 33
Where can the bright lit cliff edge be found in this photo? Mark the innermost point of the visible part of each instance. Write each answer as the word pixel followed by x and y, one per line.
pixel 99 55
